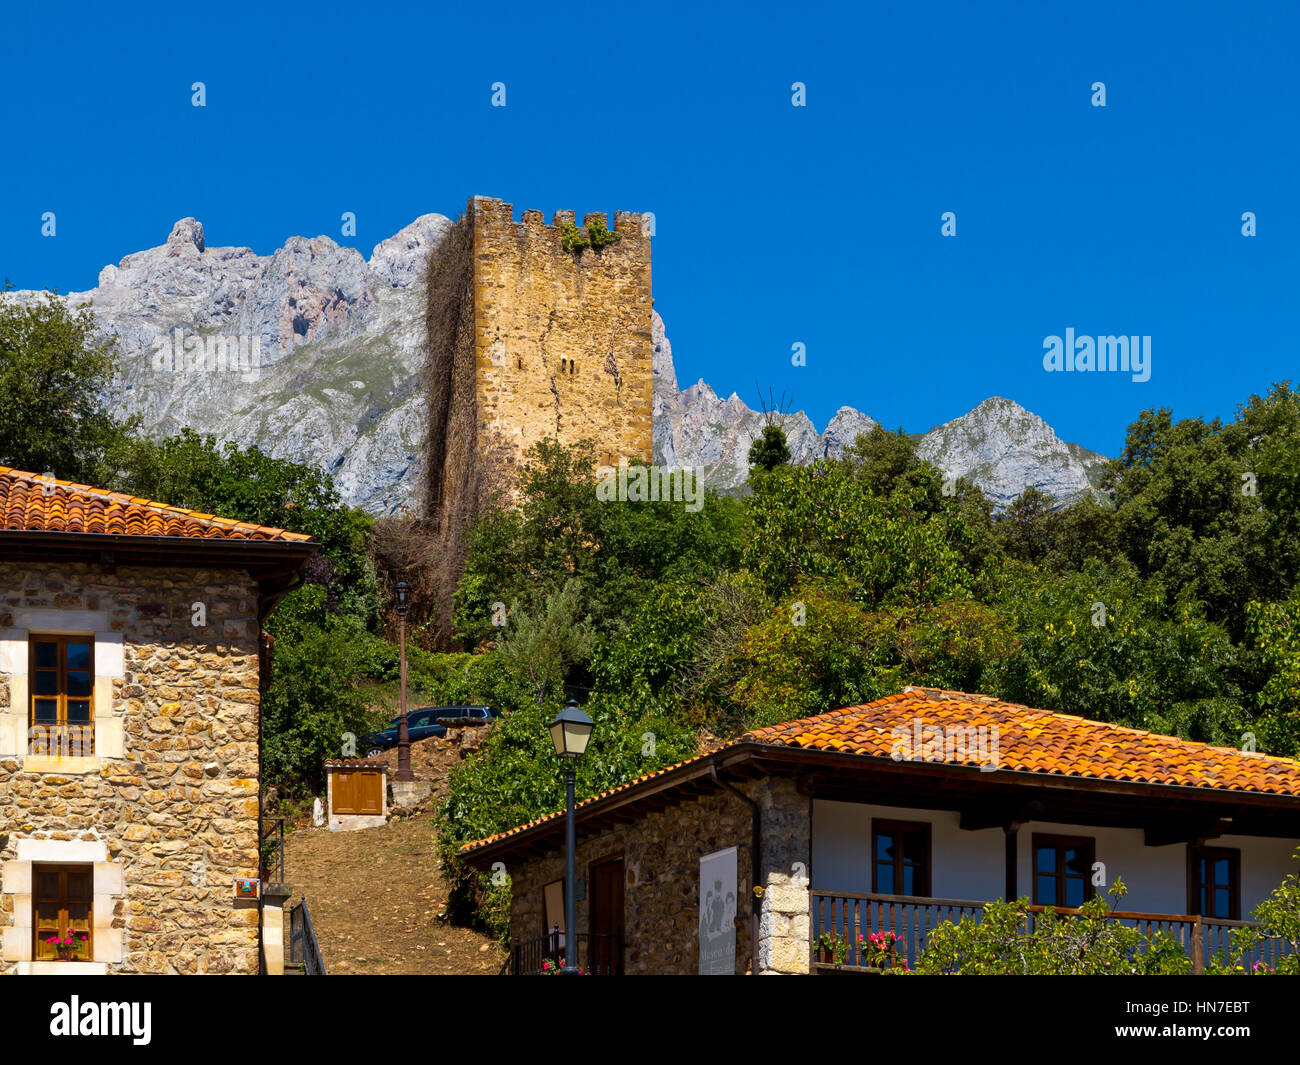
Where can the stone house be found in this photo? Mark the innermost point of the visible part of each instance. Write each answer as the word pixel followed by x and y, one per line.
pixel 132 662
pixel 893 817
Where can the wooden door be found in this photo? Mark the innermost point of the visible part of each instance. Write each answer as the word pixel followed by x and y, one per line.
pixel 370 792
pixel 605 952
pixel 345 792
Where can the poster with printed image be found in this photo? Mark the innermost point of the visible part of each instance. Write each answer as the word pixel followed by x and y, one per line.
pixel 718 880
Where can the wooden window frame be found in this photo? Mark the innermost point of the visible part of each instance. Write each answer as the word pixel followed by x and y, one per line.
pixel 1088 843
pixel 1194 855
pixel 41 952
pixel 61 727
pixel 897 827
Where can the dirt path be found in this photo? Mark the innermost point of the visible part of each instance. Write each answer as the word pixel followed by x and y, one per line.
pixel 374 896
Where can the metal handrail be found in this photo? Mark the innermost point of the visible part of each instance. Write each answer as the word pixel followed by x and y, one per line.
pixel 304 951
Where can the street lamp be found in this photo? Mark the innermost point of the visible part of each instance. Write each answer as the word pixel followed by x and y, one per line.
pixel 570 732
pixel 403 736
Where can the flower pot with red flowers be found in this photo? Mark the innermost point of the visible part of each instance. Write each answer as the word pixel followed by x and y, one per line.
pixel 880 951
pixel 69 945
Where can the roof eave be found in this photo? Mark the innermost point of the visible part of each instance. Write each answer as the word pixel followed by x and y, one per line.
pixel 748 750
pixel 127 545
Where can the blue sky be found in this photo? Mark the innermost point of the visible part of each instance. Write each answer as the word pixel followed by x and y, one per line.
pixel 774 224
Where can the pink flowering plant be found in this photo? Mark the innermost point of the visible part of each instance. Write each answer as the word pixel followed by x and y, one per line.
pixel 556 968
pixel 879 950
pixel 69 944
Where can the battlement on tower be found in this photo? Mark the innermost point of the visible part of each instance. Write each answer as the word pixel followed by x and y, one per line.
pixel 499 216
pixel 528 339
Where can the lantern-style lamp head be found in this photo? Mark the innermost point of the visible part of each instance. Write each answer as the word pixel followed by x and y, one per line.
pixel 403 591
pixel 571 730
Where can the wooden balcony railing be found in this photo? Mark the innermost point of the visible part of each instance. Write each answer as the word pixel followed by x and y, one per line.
pixel 61 741
pixel 846 916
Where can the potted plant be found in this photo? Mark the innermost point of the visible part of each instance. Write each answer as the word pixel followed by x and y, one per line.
pixel 832 947
pixel 69 944
pixel 880 950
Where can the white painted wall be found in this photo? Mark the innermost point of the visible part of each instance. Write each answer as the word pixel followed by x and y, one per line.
pixel 969 865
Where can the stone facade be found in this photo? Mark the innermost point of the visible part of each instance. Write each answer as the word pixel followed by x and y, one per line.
pixel 166 807
pixel 527 341
pixel 661 854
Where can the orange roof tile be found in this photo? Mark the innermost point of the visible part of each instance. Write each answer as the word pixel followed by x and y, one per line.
pixel 30 502
pixel 1027 740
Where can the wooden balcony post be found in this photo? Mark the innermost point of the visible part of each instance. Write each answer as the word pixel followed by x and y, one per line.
pixel 1198 947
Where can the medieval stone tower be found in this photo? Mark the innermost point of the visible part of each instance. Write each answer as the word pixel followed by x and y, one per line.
pixel 529 339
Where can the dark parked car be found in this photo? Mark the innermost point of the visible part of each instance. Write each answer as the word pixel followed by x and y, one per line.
pixel 464 715
pixel 420 725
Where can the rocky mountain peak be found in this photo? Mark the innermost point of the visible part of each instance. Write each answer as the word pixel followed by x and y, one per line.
pixel 186 237
pixel 1004 448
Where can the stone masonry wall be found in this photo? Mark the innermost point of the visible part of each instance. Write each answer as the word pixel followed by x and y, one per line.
pixel 171 795
pixel 528 341
pixel 662 852
pixel 661 856
pixel 783 926
pixel 563 344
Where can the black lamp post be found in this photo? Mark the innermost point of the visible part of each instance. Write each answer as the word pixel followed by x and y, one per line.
pixel 403 736
pixel 570 732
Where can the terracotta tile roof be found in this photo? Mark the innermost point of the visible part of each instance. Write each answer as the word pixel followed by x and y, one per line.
pixel 30 502
pixel 1030 741
pixel 1027 740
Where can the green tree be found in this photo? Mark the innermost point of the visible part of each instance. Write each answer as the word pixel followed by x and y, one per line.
pixel 821 524
pixel 1027 529
pixel 1211 509
pixel 56 380
pixel 516 777
pixel 1274 630
pixel 315 696
pixel 542 649
pixel 885 461
pixel 1104 644
pixel 327 652
pixel 769 450
pixel 818 653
